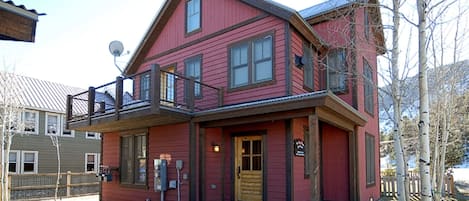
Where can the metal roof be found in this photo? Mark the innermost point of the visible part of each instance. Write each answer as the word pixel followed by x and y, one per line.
pixel 324 7
pixel 39 94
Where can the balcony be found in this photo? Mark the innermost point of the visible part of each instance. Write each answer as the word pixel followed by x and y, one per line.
pixel 153 97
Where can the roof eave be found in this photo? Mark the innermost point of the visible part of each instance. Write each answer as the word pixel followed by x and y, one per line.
pixel 20 11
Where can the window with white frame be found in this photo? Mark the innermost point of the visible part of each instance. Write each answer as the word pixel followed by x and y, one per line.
pixel 14 161
pixel 52 124
pixel 193 16
pixel 92 135
pixel 92 162
pixel 251 62
pixel 66 132
pixel 31 121
pixel 29 162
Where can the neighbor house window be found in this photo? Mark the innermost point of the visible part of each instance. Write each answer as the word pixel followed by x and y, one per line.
pixel 31 122
pixel 251 62
pixel 368 86
pixel 92 135
pixel 29 162
pixel 193 70
pixel 52 124
pixel 193 16
pixel 14 160
pixel 370 159
pixel 308 67
pixel 145 86
pixel 133 159
pixel 66 132
pixel 92 162
pixel 337 70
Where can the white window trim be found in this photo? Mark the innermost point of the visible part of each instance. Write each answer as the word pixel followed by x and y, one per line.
pixel 59 130
pixel 36 154
pixel 97 136
pixel 62 127
pixel 18 161
pixel 23 119
pixel 97 158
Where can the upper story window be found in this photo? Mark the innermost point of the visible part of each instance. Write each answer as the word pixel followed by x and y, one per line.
pixel 133 159
pixel 193 16
pixel 92 135
pixel 251 62
pixel 368 86
pixel 193 69
pixel 308 78
pixel 31 122
pixel 337 70
pixel 145 86
pixel 52 124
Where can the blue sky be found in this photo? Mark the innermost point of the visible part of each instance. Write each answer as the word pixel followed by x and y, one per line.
pixel 72 39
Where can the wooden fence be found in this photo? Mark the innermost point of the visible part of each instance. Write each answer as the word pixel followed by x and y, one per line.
pixel 389 186
pixel 34 186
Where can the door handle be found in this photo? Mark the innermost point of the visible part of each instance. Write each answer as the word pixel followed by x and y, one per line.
pixel 239 172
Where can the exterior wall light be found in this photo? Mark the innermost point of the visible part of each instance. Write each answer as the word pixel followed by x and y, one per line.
pixel 216 148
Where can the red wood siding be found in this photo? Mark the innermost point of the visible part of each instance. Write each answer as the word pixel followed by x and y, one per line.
pixel 301 185
pixel 215 168
pixel 216 15
pixel 297 73
pixel 335 163
pixel 215 60
pixel 169 142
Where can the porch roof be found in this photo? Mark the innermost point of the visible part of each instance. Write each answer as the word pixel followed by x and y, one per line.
pixel 325 104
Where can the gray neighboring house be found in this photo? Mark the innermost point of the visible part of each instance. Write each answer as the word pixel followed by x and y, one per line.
pixel 32 150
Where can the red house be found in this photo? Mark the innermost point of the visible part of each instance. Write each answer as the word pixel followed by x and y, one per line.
pixel 243 100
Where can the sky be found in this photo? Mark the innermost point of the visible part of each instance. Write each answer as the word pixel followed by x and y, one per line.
pixel 72 39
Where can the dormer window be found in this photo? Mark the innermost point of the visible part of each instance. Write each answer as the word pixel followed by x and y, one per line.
pixel 193 16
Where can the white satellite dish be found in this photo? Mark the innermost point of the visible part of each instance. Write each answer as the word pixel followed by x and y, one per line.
pixel 116 48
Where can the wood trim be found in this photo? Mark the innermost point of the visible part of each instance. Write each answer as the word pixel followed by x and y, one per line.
pixel 331 117
pixel 353 168
pixel 192 162
pixel 288 68
pixel 202 164
pixel 315 157
pixel 202 39
pixel 289 160
pixel 264 166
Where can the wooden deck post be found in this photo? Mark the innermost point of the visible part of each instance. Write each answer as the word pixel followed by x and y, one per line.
pixel 221 91
pixel 119 95
pixel 155 82
pixel 69 110
pixel 191 94
pixel 91 97
pixel 315 156
pixel 69 182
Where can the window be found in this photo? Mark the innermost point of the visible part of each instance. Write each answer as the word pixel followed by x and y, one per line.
pixel 251 62
pixel 370 159
pixel 29 162
pixel 308 78
pixel 134 159
pixel 337 69
pixel 145 86
pixel 14 160
pixel 368 86
pixel 193 16
pixel 92 162
pixel 52 124
pixel 193 70
pixel 366 24
pixel 65 131
pixel 31 122
pixel 92 135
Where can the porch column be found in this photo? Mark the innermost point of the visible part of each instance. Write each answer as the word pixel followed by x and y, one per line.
pixel 315 157
pixel 354 195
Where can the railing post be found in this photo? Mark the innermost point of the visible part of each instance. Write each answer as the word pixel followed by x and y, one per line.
pixel 155 80
pixel 221 92
pixel 119 91
pixel 69 109
pixel 191 94
pixel 91 97
pixel 69 182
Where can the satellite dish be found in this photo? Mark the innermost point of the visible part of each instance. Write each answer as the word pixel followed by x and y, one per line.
pixel 116 48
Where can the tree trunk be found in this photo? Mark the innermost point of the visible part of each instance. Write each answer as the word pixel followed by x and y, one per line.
pixel 424 110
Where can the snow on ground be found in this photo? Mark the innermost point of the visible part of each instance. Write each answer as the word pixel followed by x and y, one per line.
pixel 461 174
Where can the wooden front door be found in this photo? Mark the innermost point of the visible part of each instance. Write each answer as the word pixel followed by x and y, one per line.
pixel 248 168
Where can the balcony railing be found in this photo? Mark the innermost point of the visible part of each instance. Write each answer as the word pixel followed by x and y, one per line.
pixel 154 89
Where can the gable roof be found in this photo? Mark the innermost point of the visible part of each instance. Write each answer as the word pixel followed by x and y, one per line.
pixel 39 94
pixel 324 7
pixel 268 6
